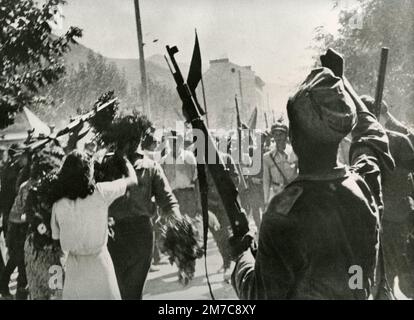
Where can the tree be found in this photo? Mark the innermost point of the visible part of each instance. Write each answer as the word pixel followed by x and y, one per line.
pixel 363 31
pixel 80 87
pixel 165 103
pixel 31 55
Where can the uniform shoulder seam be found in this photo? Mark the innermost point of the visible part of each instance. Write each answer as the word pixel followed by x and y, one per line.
pixel 284 201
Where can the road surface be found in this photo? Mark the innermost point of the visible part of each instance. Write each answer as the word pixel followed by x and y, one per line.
pixel 164 284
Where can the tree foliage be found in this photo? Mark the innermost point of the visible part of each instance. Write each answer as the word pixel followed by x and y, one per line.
pixel 165 104
pixel 31 57
pixel 362 33
pixel 77 91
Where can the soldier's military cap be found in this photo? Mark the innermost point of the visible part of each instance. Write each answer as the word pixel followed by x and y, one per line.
pixel 321 108
pixel 279 126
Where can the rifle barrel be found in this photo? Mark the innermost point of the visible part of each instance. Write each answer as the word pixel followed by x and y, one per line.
pixel 381 81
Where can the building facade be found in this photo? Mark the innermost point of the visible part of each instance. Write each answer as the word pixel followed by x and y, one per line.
pixel 223 81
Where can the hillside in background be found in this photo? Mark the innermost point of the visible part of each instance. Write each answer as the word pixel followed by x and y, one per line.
pixel 156 65
pixel 89 75
pixel 77 91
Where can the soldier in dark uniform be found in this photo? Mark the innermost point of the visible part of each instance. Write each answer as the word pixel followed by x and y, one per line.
pixel 323 228
pixel 397 220
pixel 13 174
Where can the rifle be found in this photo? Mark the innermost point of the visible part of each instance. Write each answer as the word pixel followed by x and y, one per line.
pixel 70 127
pixel 239 127
pixel 411 181
pixel 221 177
pixel 239 145
pixel 381 81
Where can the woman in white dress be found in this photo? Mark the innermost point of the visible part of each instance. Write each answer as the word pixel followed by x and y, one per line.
pixel 80 223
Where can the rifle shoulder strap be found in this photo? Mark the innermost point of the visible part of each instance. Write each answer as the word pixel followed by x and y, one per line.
pixel 202 180
pixel 285 180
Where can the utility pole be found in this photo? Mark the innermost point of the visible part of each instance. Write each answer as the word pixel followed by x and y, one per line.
pixel 268 103
pixel 241 91
pixel 144 86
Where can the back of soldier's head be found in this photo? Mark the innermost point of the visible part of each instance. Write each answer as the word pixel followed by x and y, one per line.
pixel 321 113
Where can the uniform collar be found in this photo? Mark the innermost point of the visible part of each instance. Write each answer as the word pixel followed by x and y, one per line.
pixel 274 152
pixel 333 174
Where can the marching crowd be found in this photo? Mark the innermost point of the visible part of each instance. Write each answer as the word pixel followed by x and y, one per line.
pixel 333 184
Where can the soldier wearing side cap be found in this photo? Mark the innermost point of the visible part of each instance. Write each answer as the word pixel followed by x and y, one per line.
pixel 324 225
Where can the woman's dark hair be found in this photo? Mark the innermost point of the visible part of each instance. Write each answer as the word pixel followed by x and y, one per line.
pixel 148 138
pixel 75 179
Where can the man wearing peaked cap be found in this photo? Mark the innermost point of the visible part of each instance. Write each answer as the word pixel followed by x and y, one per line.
pixel 279 164
pixel 319 237
pixel 279 126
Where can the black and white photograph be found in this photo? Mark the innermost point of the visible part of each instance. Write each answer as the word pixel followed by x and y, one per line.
pixel 223 151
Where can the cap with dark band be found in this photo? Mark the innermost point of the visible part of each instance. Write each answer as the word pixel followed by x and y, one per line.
pixel 279 126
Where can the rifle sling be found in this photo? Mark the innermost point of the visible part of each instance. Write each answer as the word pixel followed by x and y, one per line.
pixel 285 181
pixel 202 180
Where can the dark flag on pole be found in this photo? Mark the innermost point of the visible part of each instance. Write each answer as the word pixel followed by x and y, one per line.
pixel 195 73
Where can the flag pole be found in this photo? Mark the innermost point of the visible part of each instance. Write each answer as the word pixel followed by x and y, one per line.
pixel 204 99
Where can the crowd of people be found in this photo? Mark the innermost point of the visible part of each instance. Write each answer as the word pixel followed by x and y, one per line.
pixel 334 190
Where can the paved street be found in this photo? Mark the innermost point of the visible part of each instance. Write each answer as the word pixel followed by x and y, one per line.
pixel 164 284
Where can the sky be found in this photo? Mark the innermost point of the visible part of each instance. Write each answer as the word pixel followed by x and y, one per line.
pixel 273 36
